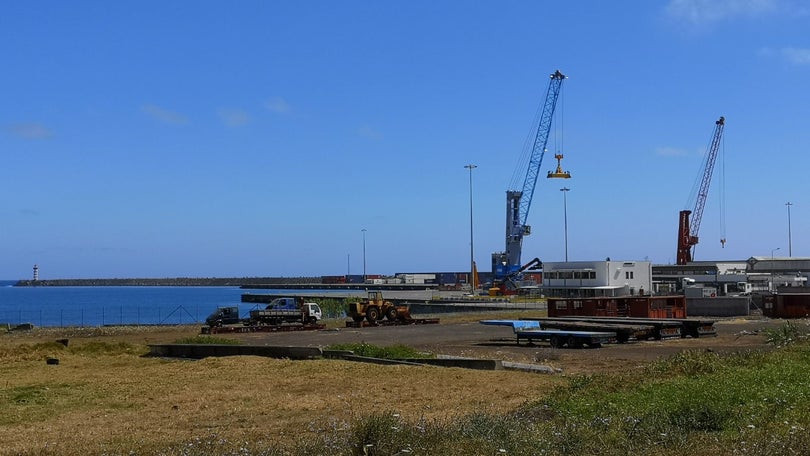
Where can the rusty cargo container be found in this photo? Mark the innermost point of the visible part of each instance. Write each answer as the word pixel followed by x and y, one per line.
pixel 626 306
pixel 786 305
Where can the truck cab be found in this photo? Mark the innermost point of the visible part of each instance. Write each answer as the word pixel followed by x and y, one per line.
pixel 312 312
pixel 223 316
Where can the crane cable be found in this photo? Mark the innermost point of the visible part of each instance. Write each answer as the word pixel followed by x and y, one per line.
pixel 722 192
pixel 519 174
pixel 560 127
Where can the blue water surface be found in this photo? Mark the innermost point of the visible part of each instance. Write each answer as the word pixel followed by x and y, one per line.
pixel 99 306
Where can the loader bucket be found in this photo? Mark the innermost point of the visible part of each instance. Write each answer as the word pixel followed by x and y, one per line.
pixel 403 313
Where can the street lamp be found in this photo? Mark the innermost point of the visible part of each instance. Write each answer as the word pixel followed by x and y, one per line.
pixel 471 167
pixel 364 254
pixel 772 268
pixel 790 243
pixel 565 190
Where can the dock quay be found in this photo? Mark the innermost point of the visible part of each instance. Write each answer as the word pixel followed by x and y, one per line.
pixel 419 301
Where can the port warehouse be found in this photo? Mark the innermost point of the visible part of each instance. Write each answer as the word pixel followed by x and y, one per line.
pixel 613 278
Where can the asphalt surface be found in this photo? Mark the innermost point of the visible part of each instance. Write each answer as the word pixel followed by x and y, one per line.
pixel 494 342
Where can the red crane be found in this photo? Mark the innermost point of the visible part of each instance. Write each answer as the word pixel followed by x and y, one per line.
pixel 688 231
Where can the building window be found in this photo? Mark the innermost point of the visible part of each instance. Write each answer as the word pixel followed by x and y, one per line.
pixel 628 274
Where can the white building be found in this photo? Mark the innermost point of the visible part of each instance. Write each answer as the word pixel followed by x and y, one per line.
pixel 596 278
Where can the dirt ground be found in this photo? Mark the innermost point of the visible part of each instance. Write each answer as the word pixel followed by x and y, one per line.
pixel 145 402
pixel 472 339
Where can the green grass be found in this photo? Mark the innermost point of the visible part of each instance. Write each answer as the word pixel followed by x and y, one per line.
pixel 398 351
pixel 697 402
pixel 202 339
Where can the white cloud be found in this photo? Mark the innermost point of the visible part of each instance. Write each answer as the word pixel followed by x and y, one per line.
pixel 796 55
pixel 234 117
pixel 369 133
pixel 30 130
pixel 278 105
pixel 671 152
pixel 707 11
pixel 165 115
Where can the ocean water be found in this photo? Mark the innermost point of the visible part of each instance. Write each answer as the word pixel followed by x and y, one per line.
pixel 99 306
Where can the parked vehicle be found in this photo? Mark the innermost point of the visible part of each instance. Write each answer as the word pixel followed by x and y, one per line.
pixel 279 311
pixel 375 308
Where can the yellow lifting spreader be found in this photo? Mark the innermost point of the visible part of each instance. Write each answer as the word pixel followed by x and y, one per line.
pixel 559 173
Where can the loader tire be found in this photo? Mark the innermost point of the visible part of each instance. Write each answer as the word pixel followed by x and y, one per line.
pixel 372 314
pixel 358 318
pixel 391 313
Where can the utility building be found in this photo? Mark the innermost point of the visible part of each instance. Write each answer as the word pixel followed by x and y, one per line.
pixel 585 279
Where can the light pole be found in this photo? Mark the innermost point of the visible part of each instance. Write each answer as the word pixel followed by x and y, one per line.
pixel 471 167
pixel 565 190
pixel 770 288
pixel 790 243
pixel 364 254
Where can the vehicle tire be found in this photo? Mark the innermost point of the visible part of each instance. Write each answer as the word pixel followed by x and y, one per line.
pixel 358 318
pixel 372 314
pixel 573 342
pixel 312 321
pixel 391 313
pixel 555 342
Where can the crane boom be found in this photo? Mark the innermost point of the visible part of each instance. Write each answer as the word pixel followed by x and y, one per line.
pixel 540 142
pixel 518 203
pixel 688 230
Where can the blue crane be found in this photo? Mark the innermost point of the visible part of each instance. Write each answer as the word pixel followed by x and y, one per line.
pixel 518 202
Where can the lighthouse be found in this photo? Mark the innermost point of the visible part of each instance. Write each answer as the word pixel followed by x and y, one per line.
pixel 36 272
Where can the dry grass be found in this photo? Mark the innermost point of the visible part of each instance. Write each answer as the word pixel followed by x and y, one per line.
pixel 105 397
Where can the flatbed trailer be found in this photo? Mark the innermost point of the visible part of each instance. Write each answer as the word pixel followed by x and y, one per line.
pixel 226 329
pixel 663 327
pixel 624 331
pixel 530 331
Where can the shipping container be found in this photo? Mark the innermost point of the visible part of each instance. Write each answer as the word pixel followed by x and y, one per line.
pixel 786 305
pixel 626 306
pixel 448 278
pixel 333 279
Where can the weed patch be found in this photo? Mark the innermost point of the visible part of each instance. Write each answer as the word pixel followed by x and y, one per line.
pixel 373 351
pixel 203 339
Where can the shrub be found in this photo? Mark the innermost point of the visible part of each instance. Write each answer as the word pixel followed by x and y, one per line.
pixel 201 339
pixel 398 351
pixel 785 335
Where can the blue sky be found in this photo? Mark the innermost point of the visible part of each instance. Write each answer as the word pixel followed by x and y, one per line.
pixel 254 138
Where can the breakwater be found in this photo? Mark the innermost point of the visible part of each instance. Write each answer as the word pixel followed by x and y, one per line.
pixel 170 282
